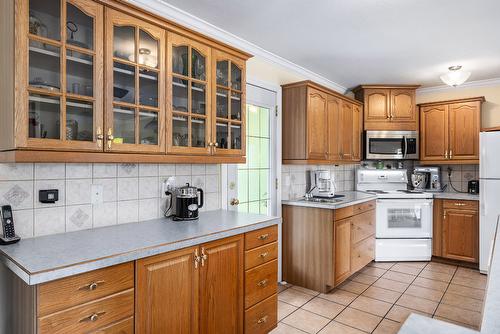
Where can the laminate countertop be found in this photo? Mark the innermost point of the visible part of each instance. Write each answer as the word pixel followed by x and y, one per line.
pixel 348 198
pixel 459 196
pixel 42 259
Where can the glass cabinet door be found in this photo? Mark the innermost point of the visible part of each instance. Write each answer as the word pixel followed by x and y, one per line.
pixel 188 91
pixel 229 104
pixel 134 115
pixel 64 84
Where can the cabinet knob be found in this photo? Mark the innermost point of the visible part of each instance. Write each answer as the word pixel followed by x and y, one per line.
pixel 93 317
pixel 263 236
pixel 204 256
pixel 263 255
pixel 99 137
pixel 110 137
pixel 262 320
pixel 263 283
pixel 91 286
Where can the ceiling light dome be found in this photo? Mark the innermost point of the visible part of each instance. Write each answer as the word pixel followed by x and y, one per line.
pixel 455 77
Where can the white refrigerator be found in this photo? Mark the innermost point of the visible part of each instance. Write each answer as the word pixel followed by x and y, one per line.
pixel 489 190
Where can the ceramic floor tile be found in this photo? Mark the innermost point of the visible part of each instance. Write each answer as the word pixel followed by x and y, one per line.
pixel 455 322
pixel 381 265
pixel 418 291
pixel 370 305
pixel 399 277
pixel 294 297
pixel 391 285
pixel 400 313
pixel 339 296
pixel 405 269
pixel 363 278
pixel 436 275
pixel 358 319
pixel 478 282
pixel 420 265
pixel 373 271
pixel 468 273
pixel 306 291
pixel 353 287
pixel 338 328
pixel 430 284
pixel 466 291
pixel 466 303
pixel 323 307
pixel 441 268
pixel 282 288
pixel 382 294
pixel 285 329
pixel 284 310
pixel 387 327
pixel 306 321
pixel 417 303
pixel 460 315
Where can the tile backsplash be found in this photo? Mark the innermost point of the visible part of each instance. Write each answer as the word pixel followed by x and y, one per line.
pixel 131 193
pixel 295 178
pixel 460 176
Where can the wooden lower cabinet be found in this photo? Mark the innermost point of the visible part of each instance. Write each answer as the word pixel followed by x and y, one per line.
pixel 323 247
pixel 456 230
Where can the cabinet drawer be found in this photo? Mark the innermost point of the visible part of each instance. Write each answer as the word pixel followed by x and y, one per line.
pixel 90 316
pixel 261 237
pixel 362 226
pixel 363 207
pixel 261 255
pixel 64 293
pixel 261 282
pixel 362 253
pixel 121 327
pixel 263 317
pixel 353 210
pixel 460 204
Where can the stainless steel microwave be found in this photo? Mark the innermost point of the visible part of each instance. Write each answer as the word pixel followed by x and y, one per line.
pixel 391 145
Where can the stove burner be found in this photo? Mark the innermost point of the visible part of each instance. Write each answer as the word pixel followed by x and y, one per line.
pixel 377 191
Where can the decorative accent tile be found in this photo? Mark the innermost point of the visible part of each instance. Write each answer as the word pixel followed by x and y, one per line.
pixel 128 170
pixel 49 221
pixel 46 185
pixel 50 171
pixel 16 172
pixel 78 217
pixel 78 171
pixel 17 194
pixel 104 170
pixel 78 191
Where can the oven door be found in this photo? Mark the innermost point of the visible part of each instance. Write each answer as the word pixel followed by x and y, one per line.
pixel 404 218
pixel 391 145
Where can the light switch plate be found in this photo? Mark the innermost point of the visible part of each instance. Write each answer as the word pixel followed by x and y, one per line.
pixel 97 194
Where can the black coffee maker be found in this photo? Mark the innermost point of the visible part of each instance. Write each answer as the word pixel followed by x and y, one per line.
pixel 187 202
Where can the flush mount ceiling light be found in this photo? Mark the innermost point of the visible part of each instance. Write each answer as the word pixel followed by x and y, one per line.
pixel 455 77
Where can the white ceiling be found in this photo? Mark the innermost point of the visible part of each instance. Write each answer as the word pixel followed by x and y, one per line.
pixel 352 42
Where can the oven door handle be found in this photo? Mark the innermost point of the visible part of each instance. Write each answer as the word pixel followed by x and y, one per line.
pixel 405 149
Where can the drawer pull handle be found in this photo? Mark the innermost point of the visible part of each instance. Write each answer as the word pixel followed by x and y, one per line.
pixel 263 236
pixel 91 286
pixel 460 204
pixel 263 283
pixel 262 320
pixel 263 255
pixel 93 317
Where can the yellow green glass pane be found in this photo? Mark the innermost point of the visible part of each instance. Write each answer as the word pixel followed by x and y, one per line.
pixel 243 185
pixel 243 207
pixel 264 183
pixel 253 185
pixel 264 122
pixel 264 153
pixel 253 154
pixel 264 207
pixel 254 207
pixel 253 121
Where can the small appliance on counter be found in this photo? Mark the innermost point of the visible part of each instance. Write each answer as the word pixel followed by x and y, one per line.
pixel 473 187
pixel 426 179
pixel 187 202
pixel 322 184
pixel 8 234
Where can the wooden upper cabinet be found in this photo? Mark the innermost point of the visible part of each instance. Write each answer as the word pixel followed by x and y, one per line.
pixel 461 235
pixel 167 292
pixel 434 133
pixel 59 80
pixel 135 71
pixel 449 130
pixel 228 126
pixel 188 96
pixel 221 286
pixel 465 119
pixel 388 107
pixel 317 124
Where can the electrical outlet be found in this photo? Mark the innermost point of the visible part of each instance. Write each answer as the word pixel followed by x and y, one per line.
pixel 167 185
pixel 97 194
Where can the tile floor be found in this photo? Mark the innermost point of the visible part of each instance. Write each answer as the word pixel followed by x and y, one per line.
pixel 380 297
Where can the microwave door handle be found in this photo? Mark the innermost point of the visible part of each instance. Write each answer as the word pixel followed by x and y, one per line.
pixel 405 149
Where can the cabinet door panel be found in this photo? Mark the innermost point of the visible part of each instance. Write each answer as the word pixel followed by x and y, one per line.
pixel 221 287
pixel 167 293
pixel 347 131
pixel 403 105
pixel 461 235
pixel 317 125
pixel 377 105
pixel 342 250
pixel 464 130
pixel 434 133
pixel 334 107
pixel 357 132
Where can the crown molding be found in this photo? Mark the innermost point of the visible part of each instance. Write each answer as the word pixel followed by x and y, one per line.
pixel 172 13
pixel 477 83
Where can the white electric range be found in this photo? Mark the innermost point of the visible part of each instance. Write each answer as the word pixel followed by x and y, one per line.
pixel 403 217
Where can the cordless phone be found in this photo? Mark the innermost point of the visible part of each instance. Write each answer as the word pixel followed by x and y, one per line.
pixel 8 234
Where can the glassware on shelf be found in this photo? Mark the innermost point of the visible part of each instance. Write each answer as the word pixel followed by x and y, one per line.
pixel 222 73
pixel 44 116
pixel 180 131
pixel 79 73
pixel 236 106
pixel 148 127
pixel 148 50
pixel 44 18
pixel 235 137
pixel 235 77
pixel 124 82
pixel 198 132
pixel 222 134
pixel 80 27
pixel 198 70
pixel 180 94
pixel 198 105
pixel 222 103
pixel 79 120
pixel 44 66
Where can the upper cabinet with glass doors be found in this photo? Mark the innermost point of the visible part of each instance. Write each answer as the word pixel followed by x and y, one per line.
pixel 228 127
pixel 135 85
pixel 61 93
